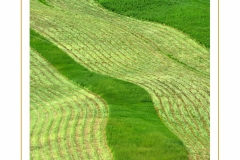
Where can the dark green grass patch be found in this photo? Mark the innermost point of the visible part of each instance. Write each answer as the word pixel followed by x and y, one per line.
pixel 189 16
pixel 44 2
pixel 134 131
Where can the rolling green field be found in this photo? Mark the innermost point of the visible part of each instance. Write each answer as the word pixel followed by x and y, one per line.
pixel 138 88
pixel 190 16
pixel 134 130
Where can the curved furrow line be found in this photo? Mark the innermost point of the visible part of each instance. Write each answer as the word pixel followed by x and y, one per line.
pixel 100 130
pixel 191 96
pixel 196 126
pixel 72 118
pixel 66 112
pixel 90 125
pixel 77 151
pixel 70 127
pixel 188 96
pixel 79 138
pixel 89 129
pixel 45 98
pixel 95 129
pixel 79 127
pixel 42 98
pixel 84 126
pixel 64 127
pixel 45 148
pixel 34 120
pixel 176 90
pixel 96 138
pixel 87 132
pixel 34 113
pixel 72 151
pixel 38 80
pixel 35 143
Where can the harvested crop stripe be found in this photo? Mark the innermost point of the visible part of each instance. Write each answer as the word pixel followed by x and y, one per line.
pixel 173 68
pixel 67 122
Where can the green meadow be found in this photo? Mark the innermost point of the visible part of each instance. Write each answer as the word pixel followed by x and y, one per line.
pixel 190 16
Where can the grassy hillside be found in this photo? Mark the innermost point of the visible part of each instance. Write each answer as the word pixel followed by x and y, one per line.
pixel 191 17
pixel 166 63
pixel 134 130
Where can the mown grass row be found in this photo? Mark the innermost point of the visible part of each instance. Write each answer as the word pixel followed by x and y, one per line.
pixel 134 130
pixel 137 52
pixel 191 17
pixel 66 122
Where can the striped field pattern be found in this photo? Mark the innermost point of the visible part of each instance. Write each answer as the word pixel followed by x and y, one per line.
pixel 67 122
pixel 169 65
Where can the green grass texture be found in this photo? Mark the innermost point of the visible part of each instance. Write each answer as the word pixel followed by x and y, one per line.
pixel 190 16
pixel 134 130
